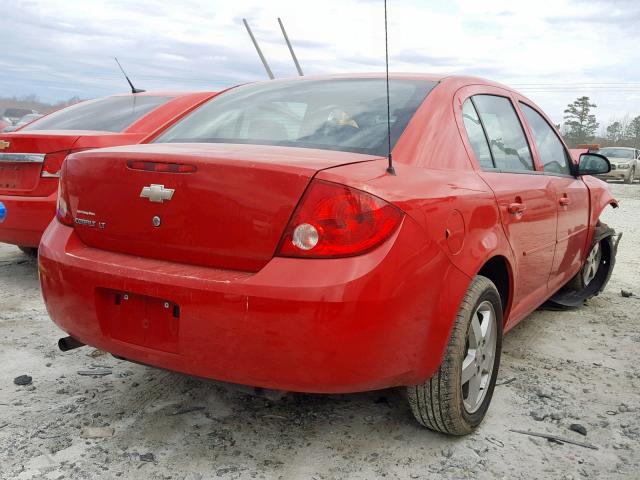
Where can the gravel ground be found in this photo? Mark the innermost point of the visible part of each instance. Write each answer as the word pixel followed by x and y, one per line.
pixel 127 420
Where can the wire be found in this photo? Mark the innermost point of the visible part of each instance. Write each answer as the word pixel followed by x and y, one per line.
pixel 390 168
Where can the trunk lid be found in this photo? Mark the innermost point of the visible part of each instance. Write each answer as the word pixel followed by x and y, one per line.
pixel 22 156
pixel 227 210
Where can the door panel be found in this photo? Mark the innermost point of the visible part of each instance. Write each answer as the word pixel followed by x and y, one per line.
pixel 572 197
pixel 531 232
pixel 573 222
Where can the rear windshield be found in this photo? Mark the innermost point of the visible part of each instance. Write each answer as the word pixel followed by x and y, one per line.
pixel 341 114
pixel 111 114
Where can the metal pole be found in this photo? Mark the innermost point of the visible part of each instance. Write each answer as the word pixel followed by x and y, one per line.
pixel 255 44
pixel 293 55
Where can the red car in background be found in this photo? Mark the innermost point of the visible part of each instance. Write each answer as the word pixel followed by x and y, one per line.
pixel 30 159
pixel 263 240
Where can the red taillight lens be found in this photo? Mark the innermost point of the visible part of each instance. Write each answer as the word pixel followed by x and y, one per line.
pixel 333 220
pixel 63 212
pixel 52 164
pixel 160 167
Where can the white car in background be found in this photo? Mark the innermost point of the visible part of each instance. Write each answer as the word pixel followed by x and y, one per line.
pixel 625 163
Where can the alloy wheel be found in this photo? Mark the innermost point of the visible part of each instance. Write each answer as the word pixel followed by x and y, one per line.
pixel 591 265
pixel 477 365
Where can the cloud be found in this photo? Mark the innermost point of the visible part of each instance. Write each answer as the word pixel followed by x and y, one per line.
pixel 62 48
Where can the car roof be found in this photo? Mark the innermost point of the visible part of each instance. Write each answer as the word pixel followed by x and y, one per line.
pixel 431 77
pixel 163 93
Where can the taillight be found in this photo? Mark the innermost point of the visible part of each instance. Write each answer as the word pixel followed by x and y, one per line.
pixel 63 212
pixel 333 220
pixel 52 164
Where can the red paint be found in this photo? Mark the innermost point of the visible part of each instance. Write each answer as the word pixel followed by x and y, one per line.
pixel 371 320
pixel 30 197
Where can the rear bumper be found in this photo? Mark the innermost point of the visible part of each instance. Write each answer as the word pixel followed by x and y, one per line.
pixel 375 321
pixel 27 218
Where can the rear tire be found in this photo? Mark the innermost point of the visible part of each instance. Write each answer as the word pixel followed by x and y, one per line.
pixel 456 398
pixel 29 251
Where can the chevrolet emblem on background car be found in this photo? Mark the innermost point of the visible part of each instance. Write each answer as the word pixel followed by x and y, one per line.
pixel 4 145
pixel 157 193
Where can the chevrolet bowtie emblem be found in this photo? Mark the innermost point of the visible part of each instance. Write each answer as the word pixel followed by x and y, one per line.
pixel 157 193
pixel 4 145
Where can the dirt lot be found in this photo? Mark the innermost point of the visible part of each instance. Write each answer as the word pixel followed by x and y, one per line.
pixel 558 368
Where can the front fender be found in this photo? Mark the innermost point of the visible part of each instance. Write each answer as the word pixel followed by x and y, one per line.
pixel 600 197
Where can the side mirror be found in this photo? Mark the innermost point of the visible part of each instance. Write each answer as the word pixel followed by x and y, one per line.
pixel 593 164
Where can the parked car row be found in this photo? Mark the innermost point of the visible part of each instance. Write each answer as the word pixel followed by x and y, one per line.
pixel 303 235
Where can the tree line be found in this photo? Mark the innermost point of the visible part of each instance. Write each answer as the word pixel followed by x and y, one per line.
pixel 32 102
pixel 580 127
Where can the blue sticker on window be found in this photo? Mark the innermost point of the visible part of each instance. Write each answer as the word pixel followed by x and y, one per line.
pixel 3 212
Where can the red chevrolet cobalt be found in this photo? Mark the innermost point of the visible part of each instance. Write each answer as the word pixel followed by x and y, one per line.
pixel 262 239
pixel 30 159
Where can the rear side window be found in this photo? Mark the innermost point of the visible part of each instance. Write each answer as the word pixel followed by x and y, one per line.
pixel 476 135
pixel 552 153
pixel 507 140
pixel 111 114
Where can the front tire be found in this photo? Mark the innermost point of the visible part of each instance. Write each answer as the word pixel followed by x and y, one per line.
pixel 596 270
pixel 456 398
pixel 631 177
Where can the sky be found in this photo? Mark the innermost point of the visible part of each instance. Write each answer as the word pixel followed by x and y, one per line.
pixel 551 51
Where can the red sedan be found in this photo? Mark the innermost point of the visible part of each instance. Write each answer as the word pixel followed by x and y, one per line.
pixel 261 240
pixel 30 159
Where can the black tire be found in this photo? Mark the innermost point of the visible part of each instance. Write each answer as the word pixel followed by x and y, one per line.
pixel 438 404
pixel 607 259
pixel 629 178
pixel 29 251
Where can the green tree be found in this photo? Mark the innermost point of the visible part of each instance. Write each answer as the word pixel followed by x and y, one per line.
pixel 615 133
pixel 633 132
pixel 580 123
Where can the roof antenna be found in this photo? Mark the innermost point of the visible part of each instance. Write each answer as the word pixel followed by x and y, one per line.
pixel 390 168
pixel 133 89
pixel 293 55
pixel 255 44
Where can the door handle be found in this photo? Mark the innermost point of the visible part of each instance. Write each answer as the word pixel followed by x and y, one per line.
pixel 564 200
pixel 516 208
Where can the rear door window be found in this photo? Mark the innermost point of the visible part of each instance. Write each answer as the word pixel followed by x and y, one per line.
pixel 476 135
pixel 553 155
pixel 506 136
pixel 111 114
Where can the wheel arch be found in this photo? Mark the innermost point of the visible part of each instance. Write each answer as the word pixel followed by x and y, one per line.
pixel 499 271
pixel 600 197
